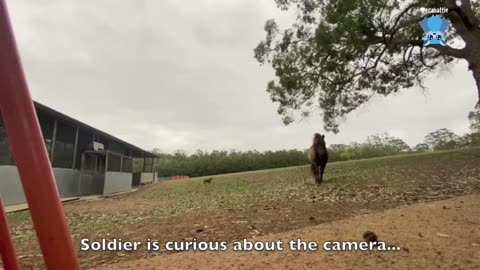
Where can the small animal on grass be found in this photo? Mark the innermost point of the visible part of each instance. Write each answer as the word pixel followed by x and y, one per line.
pixel 208 180
pixel 318 157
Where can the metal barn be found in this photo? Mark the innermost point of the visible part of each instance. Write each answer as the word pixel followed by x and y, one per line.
pixel 85 160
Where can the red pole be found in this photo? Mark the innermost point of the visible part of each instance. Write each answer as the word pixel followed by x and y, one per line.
pixel 7 249
pixel 29 151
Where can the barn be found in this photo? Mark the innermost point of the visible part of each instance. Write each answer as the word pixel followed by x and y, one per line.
pixel 85 160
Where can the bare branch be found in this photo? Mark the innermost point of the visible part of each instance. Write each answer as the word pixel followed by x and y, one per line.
pixel 443 50
pixel 465 13
pixel 403 24
pixel 406 59
pixel 447 50
pixel 423 60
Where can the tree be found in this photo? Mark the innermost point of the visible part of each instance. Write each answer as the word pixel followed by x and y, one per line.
pixel 386 141
pixel 156 151
pixel 180 153
pixel 443 139
pixel 399 145
pixel 340 53
pixel 421 147
pixel 473 139
pixel 338 147
pixel 474 118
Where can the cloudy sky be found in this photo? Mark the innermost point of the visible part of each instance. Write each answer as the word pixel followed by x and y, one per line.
pixel 181 75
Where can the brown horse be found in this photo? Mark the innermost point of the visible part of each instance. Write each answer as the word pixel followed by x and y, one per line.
pixel 318 157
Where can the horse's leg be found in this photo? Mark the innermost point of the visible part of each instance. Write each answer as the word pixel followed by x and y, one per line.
pixel 313 168
pixel 317 175
pixel 314 172
pixel 320 173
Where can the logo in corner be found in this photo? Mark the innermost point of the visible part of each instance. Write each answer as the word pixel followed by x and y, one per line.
pixel 434 28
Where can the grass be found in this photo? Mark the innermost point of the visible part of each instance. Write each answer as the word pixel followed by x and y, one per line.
pixel 249 189
pixel 17 217
pixel 289 195
pixel 243 190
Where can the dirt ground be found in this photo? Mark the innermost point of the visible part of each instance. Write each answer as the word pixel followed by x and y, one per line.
pixel 436 235
pixel 356 196
pixel 116 205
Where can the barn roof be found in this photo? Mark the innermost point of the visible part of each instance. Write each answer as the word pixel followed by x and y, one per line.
pixel 66 118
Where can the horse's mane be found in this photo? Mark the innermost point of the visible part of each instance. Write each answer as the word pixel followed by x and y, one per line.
pixel 319 144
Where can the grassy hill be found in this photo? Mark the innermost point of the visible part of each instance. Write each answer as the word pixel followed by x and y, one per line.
pixel 244 205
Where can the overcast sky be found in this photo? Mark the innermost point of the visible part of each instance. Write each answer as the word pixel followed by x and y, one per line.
pixel 181 75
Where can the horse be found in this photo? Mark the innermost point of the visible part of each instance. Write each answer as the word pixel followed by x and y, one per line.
pixel 318 157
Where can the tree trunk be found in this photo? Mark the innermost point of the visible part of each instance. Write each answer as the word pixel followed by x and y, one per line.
pixel 464 21
pixel 475 68
pixel 476 75
pixel 473 59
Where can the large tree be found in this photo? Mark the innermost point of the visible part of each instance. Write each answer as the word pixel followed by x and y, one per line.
pixel 443 139
pixel 340 53
pixel 474 137
pixel 421 147
pixel 474 118
pixel 386 141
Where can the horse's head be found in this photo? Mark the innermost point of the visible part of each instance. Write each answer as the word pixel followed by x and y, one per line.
pixel 319 139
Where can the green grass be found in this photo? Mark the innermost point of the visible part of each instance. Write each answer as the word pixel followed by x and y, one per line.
pixel 18 217
pixel 367 185
pixel 243 190
pixel 450 172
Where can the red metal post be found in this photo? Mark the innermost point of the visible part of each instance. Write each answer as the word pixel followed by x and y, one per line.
pixel 7 249
pixel 29 151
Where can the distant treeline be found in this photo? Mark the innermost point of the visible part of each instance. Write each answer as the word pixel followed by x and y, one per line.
pixel 219 162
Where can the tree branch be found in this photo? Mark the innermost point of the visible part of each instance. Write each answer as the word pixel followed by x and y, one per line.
pixel 397 21
pixel 422 59
pixel 465 13
pixel 443 50
pixel 406 59
pixel 447 50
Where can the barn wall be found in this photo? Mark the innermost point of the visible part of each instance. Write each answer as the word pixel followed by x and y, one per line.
pixel 146 178
pixel 117 182
pixel 67 181
pixel 136 179
pixel 91 184
pixel 12 191
pixel 10 186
